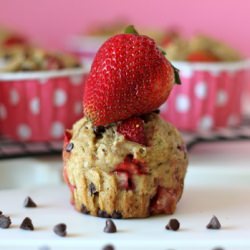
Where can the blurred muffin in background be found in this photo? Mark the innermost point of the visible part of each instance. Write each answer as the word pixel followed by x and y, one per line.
pixel 213 80
pixel 200 48
pixel 37 89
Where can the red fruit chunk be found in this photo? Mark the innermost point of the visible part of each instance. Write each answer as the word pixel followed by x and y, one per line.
pixel 133 130
pixel 202 56
pixel 164 201
pixel 127 169
pixel 129 76
pixel 71 187
pixel 14 40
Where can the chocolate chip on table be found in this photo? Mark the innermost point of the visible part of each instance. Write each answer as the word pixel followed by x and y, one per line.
pixel 5 221
pixel 28 202
pixel 102 214
pixel 69 147
pixel 92 189
pixel 214 223
pixel 108 247
pixel 116 215
pixel 109 226
pixel 173 225
pixel 60 229
pixel 84 210
pixel 27 224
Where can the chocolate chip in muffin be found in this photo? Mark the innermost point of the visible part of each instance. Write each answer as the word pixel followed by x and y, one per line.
pixel 28 202
pixel 92 189
pixel 1 212
pixel 69 147
pixel 110 226
pixel 214 223
pixel 116 215
pixel 84 210
pixel 99 130
pixel 173 225
pixel 5 221
pixel 102 214
pixel 108 247
pixel 27 224
pixel 60 229
pixel 157 111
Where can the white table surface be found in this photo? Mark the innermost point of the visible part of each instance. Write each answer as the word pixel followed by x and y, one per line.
pixel 217 183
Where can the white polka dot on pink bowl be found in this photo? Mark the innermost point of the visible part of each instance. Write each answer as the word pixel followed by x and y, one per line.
pixel 39 106
pixel 209 96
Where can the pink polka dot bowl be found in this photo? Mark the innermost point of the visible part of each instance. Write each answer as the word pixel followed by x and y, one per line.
pixel 39 106
pixel 209 96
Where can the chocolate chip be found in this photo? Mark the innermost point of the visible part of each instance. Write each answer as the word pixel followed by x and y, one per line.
pixel 157 111
pixel 218 248
pixel 4 221
pixel 1 212
pixel 69 147
pixel 92 189
pixel 84 210
pixel 99 130
pixel 60 229
pixel 109 226
pixel 103 214
pixel 116 215
pixel 214 223
pixel 27 224
pixel 173 225
pixel 108 247
pixel 28 202
pixel 130 157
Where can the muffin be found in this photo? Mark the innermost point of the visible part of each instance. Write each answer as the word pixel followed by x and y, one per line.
pixel 111 175
pixel 121 159
pixel 214 76
pixel 37 88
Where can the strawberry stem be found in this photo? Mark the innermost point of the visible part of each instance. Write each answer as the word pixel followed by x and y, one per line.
pixel 131 30
pixel 177 78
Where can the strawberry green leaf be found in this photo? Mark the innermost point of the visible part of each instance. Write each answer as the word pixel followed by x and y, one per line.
pixel 162 51
pixel 131 30
pixel 177 78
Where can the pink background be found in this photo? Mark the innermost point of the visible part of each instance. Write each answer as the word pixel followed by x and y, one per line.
pixel 51 22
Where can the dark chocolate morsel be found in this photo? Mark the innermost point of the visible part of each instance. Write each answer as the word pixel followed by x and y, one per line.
pixel 69 147
pixel 173 225
pixel 5 221
pixel 84 210
pixel 102 214
pixel 108 247
pixel 60 229
pixel 157 111
pixel 214 223
pixel 28 202
pixel 27 224
pixel 110 226
pixel 116 215
pixel 92 189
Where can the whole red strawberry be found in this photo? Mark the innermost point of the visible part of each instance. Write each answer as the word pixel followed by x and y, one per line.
pixel 130 76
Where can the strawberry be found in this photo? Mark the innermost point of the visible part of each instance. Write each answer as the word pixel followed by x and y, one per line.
pixel 133 130
pixel 129 76
pixel 14 40
pixel 202 56
pixel 126 169
pixel 164 201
